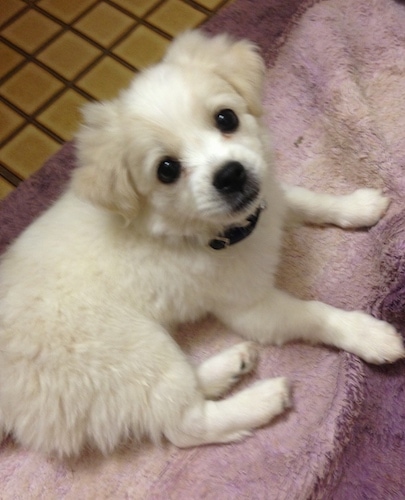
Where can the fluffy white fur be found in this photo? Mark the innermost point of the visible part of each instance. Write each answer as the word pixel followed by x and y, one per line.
pixel 90 291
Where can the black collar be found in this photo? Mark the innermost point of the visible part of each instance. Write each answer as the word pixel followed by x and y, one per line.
pixel 235 234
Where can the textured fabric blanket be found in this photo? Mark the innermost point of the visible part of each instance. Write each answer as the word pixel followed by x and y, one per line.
pixel 335 108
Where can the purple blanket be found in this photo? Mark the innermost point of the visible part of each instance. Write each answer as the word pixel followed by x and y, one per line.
pixel 335 108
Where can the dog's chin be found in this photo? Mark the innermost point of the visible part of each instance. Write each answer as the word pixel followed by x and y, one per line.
pixel 242 204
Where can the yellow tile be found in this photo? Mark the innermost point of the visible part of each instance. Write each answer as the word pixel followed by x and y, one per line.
pixel 30 87
pixel 30 30
pixel 104 24
pixel 142 47
pixel 69 55
pixel 209 4
pixel 9 59
pixel 106 79
pixel 175 16
pixel 9 121
pixel 27 152
pixel 9 8
pixel 5 188
pixel 137 7
pixel 63 116
pixel 65 10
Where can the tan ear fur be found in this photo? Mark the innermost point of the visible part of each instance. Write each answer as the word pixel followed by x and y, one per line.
pixel 236 61
pixel 102 176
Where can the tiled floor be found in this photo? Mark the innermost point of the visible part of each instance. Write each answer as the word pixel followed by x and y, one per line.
pixel 57 54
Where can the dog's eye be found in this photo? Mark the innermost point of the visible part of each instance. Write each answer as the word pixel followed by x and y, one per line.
pixel 227 121
pixel 169 170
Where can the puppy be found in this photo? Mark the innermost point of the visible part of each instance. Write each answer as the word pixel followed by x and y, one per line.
pixel 173 213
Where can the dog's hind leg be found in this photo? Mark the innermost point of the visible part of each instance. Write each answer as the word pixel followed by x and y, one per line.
pixel 217 374
pixel 361 208
pixel 231 419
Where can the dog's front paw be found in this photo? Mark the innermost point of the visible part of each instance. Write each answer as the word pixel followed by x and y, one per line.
pixel 373 340
pixel 362 208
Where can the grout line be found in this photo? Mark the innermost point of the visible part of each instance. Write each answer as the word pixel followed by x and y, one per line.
pixel 131 14
pixel 198 7
pixel 15 16
pixel 9 176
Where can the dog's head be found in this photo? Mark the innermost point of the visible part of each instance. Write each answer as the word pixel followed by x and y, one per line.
pixel 183 147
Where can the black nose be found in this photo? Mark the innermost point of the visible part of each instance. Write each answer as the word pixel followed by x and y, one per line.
pixel 231 178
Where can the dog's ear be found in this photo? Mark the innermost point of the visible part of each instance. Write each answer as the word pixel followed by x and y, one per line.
pixel 237 61
pixel 103 176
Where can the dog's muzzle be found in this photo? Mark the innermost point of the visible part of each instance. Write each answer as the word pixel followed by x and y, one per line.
pixel 235 185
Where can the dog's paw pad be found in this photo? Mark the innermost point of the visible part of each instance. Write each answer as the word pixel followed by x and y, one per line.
pixel 247 354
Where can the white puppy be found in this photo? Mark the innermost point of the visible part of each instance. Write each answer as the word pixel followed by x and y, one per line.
pixel 165 221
